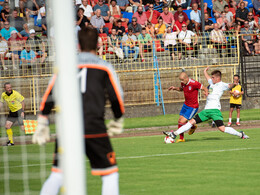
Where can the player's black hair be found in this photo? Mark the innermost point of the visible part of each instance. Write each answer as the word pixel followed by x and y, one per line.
pixel 236 75
pixel 216 72
pixel 88 38
pixel 6 83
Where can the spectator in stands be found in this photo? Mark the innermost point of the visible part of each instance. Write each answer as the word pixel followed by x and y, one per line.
pixel 223 22
pixel 229 16
pixel 123 4
pixel 247 38
pixel 28 57
pixel 158 6
pixel 120 30
pixel 141 16
pixel 3 51
pixel 241 14
pixel 167 17
pixel 236 3
pixel 170 40
pixel 146 3
pixel 41 14
pixel 152 15
pixel 180 21
pixel 98 22
pixel 105 13
pixel 115 12
pixel 16 46
pixel 137 28
pixel 257 43
pixel 37 45
pixel 195 15
pixel 136 4
pixel 181 12
pixel 88 11
pixel 32 8
pixel 82 20
pixel 129 44
pixel 19 24
pixel 150 29
pixel 182 3
pixel 44 26
pixel 5 13
pixel 253 25
pixel 218 39
pixel 160 29
pixel 187 39
pixel 6 31
pixel 145 43
pixel 256 6
pixel 208 26
pixel 100 47
pixel 114 46
pixel 218 6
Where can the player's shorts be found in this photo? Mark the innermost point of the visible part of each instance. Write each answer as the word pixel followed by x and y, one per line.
pixel 237 106
pixel 99 152
pixel 207 114
pixel 188 112
pixel 15 116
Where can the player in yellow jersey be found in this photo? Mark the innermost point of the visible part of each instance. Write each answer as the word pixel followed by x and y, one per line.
pixel 15 102
pixel 235 100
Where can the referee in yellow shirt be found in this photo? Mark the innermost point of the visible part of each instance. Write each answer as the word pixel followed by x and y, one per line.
pixel 15 102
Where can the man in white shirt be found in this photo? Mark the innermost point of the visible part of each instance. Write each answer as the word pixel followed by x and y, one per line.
pixel 3 51
pixel 88 11
pixel 185 39
pixel 195 16
pixel 218 38
pixel 212 108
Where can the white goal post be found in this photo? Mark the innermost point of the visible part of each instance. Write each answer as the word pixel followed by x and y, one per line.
pixel 68 101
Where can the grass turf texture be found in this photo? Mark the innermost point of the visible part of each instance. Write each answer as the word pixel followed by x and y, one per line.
pixel 167 120
pixel 207 163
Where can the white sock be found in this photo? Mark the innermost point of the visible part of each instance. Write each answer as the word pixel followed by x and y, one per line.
pixel 232 131
pixel 110 184
pixel 183 128
pixel 230 120
pixel 237 120
pixel 52 185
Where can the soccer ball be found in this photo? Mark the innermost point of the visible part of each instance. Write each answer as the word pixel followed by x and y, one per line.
pixel 236 92
pixel 168 140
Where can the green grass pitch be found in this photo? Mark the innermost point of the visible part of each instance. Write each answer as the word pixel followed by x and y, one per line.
pixel 207 163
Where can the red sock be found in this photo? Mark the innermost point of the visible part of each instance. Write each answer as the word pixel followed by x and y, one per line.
pixel 182 134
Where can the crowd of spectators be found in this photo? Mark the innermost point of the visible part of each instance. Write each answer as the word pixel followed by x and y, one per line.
pixel 130 26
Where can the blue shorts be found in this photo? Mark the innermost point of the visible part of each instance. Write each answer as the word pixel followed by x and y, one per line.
pixel 188 112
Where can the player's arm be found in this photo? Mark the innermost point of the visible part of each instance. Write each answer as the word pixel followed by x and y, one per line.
pixel 205 90
pixel 206 73
pixel 231 85
pixel 115 95
pixel 175 88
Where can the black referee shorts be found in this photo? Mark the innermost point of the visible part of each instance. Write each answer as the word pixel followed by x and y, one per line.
pixel 15 116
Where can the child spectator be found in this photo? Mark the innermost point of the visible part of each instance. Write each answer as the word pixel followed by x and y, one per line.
pixel 170 40
pixel 3 51
pixel 145 42
pixel 150 29
pixel 120 30
pixel 129 44
pixel 235 100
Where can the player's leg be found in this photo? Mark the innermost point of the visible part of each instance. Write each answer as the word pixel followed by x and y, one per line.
pixel 20 121
pixel 54 182
pixel 9 132
pixel 182 121
pixel 238 114
pixel 103 162
pixel 230 114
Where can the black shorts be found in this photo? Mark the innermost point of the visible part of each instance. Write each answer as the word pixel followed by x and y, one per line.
pixel 237 106
pixel 15 116
pixel 99 152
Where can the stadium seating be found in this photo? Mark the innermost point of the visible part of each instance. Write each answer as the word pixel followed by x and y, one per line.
pixel 210 4
pixel 231 9
pixel 187 12
pixel 158 46
pixel 103 36
pixel 213 20
pixel 109 26
pixel 250 4
pixel 128 15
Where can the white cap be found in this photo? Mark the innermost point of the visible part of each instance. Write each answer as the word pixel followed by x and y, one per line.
pixel 13 32
pixel 32 31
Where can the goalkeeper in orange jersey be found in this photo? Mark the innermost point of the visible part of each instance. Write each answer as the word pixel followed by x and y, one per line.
pixel 98 83
pixel 235 100
pixel 15 102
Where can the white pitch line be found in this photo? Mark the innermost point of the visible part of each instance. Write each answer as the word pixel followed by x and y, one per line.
pixel 153 155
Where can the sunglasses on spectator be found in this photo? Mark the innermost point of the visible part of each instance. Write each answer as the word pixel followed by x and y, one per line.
pixel 151 7
pixel 250 15
pixel 134 21
pixel 183 26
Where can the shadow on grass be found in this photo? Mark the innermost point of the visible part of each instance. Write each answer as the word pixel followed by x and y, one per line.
pixel 209 138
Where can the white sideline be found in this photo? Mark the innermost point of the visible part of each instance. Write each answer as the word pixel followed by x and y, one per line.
pixel 156 155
